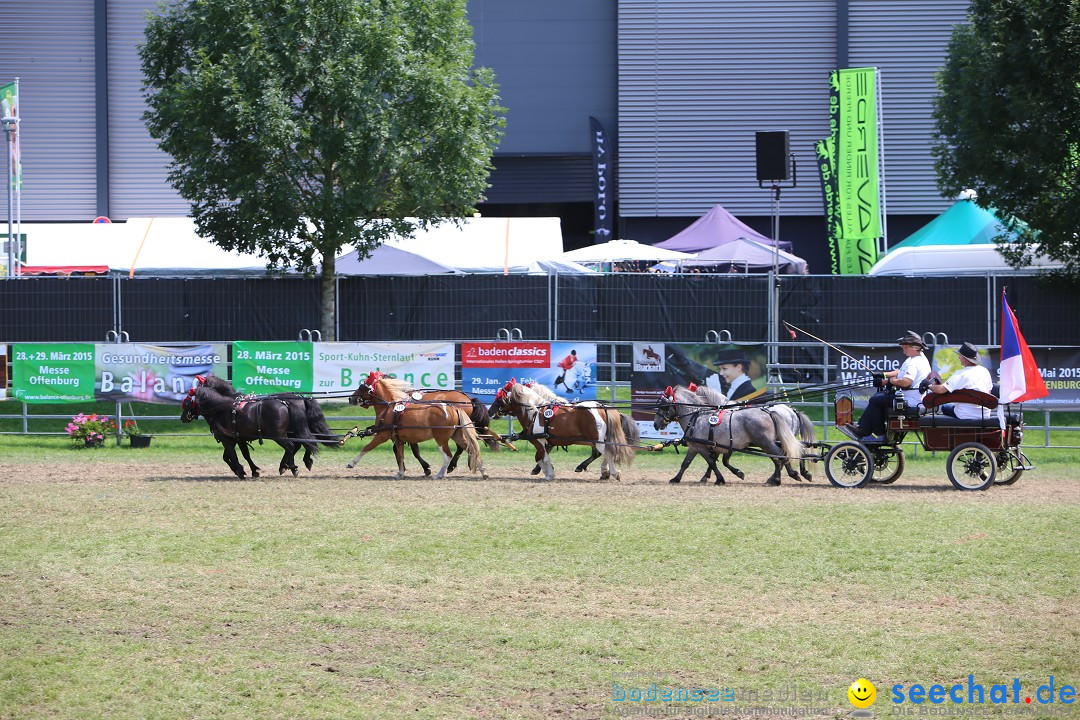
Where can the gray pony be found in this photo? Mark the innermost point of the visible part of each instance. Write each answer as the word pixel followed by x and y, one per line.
pixel 709 428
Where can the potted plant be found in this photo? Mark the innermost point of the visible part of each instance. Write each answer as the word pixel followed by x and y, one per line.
pixel 135 435
pixel 89 430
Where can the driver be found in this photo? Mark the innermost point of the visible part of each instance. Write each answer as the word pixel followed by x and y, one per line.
pixel 916 368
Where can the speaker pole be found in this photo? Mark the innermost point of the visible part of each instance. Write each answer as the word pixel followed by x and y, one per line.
pixel 775 187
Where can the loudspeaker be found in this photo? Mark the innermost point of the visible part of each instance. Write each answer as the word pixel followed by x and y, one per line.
pixel 772 156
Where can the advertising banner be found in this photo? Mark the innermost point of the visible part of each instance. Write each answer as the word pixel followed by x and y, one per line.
pixel 3 372
pixel 567 368
pixel 271 367
pixel 602 197
pixel 341 367
pixel 1059 368
pixel 53 372
pixel 738 371
pixel 130 372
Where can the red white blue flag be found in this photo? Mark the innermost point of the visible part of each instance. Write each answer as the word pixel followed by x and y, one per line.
pixel 1019 376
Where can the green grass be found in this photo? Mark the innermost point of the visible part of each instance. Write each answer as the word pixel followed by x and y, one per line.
pixel 148 584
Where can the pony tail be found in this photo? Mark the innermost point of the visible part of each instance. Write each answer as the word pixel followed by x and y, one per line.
pixel 622 452
pixel 472 443
pixel 482 423
pixel 317 423
pixel 789 444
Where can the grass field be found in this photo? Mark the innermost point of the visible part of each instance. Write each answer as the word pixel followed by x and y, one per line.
pixel 152 584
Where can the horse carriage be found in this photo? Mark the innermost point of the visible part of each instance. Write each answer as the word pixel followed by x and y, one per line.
pixel 982 452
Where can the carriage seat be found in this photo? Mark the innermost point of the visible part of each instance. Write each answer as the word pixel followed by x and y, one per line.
pixel 934 420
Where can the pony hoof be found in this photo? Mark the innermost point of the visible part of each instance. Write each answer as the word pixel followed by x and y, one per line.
pixel 295 472
pixel 719 481
pixel 536 471
pixel 484 476
pixel 308 463
pixel 676 481
pixel 399 476
pixel 254 473
pixel 740 474
pixel 807 477
pixel 773 482
pixel 351 465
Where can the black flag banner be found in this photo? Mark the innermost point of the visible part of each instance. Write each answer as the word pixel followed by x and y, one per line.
pixel 602 199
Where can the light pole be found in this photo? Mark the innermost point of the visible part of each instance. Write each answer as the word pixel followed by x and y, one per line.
pixel 10 125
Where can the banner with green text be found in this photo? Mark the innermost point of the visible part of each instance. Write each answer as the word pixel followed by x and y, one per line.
pixel 341 367
pixel 269 367
pixel 52 372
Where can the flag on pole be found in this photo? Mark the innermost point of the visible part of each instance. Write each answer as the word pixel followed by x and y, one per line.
pixel 1020 379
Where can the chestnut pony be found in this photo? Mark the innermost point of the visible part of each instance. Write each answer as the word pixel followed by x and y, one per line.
pixel 404 420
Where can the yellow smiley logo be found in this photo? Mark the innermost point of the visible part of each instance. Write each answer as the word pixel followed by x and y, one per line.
pixel 862 693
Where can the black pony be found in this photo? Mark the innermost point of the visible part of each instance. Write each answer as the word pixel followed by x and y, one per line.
pixel 239 420
pixel 316 421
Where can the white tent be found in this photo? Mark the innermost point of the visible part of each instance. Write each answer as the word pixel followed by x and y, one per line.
pixel 622 250
pixel 950 260
pixel 148 245
pixel 390 260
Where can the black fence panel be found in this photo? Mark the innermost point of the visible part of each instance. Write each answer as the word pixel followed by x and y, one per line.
pixel 879 309
pixel 1048 313
pixel 443 307
pixel 47 309
pixel 665 308
pixel 218 309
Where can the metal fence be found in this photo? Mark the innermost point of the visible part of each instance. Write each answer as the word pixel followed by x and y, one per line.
pixel 618 307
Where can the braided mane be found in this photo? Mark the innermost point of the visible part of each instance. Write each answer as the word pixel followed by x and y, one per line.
pixel 548 395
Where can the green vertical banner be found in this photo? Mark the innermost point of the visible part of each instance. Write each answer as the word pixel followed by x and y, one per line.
pixel 854 129
pixel 825 154
pixel 53 373
pixel 269 367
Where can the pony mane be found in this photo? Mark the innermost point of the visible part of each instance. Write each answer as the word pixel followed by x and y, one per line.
pixel 211 402
pixel 398 389
pixel 711 396
pixel 548 395
pixel 220 385
pixel 683 396
pixel 525 396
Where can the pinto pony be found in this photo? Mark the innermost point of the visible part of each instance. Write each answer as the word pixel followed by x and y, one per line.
pixel 546 424
pixel 400 418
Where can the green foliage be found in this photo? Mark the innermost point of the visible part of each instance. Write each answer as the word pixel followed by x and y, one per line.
pixel 1008 121
pixel 301 128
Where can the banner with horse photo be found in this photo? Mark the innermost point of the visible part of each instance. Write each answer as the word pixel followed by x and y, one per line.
pixel 738 371
pixel 340 367
pixel 568 369
pixel 130 372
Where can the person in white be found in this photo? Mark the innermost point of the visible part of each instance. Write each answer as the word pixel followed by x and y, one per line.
pixel 907 377
pixel 970 376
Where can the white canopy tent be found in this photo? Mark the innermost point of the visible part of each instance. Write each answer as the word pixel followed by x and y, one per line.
pixel 623 250
pixel 951 260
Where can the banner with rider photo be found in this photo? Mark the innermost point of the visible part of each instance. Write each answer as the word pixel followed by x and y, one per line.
pixel 568 369
pixel 738 371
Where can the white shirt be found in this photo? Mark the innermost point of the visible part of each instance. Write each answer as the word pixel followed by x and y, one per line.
pixel 970 377
pixel 916 368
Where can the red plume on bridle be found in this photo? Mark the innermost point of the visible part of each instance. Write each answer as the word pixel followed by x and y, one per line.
pixel 201 379
pixel 372 378
pixel 692 388
pixel 669 392
pixel 501 394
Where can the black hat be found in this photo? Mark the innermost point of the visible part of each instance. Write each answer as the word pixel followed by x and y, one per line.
pixel 969 352
pixel 911 338
pixel 731 356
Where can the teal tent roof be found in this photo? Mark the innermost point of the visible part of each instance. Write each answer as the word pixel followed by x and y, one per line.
pixel 965 223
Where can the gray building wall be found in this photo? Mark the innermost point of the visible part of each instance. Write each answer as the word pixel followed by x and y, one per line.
pixel 682 85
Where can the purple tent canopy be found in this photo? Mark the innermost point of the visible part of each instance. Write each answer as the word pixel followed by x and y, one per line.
pixel 715 227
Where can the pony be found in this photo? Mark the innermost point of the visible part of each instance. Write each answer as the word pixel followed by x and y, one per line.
pixel 405 420
pixel 241 420
pixel 548 425
pixel 801 426
pixel 316 421
pixel 477 413
pixel 709 427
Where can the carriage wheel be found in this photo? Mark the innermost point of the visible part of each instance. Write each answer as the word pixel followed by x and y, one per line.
pixel 971 466
pixel 1010 468
pixel 888 465
pixel 848 465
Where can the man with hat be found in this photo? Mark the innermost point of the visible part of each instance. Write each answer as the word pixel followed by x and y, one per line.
pixel 970 376
pixel 731 365
pixel 906 379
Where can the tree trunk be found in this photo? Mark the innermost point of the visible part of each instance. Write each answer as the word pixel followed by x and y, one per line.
pixel 328 304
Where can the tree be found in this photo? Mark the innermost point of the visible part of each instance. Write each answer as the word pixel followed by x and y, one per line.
pixel 300 128
pixel 1008 122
